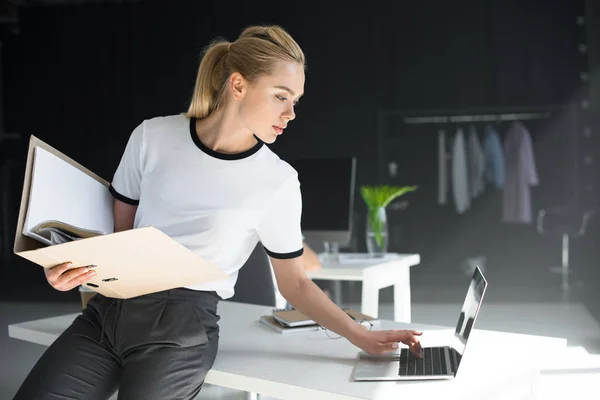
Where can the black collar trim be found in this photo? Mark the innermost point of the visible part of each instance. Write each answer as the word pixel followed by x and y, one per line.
pixel 216 154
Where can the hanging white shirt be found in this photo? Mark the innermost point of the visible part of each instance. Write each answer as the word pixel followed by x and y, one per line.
pixel 476 164
pixel 460 177
pixel 442 168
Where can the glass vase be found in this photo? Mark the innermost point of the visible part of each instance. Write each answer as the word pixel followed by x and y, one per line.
pixel 377 232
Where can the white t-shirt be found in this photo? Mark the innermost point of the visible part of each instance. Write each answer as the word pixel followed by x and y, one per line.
pixel 217 205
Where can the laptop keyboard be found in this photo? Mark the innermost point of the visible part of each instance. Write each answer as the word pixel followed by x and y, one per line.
pixel 432 363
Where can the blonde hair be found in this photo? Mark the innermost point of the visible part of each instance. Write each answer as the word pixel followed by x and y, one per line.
pixel 253 54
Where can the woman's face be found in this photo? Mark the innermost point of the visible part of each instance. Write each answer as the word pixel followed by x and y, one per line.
pixel 267 105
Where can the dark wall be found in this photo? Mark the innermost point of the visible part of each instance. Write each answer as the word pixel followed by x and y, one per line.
pixel 479 53
pixel 81 77
pixel 94 71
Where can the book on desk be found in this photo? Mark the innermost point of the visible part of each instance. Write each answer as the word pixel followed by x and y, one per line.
pixel 293 321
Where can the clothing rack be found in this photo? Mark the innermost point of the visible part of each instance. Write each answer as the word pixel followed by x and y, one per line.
pixel 481 114
pixel 441 119
pixel 458 116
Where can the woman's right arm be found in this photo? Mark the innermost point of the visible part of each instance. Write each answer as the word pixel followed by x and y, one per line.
pixel 124 215
pixel 65 277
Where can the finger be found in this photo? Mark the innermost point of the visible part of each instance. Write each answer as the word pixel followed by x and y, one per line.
pixel 388 340
pixel 54 272
pixel 388 347
pixel 70 274
pixel 417 350
pixel 415 340
pixel 64 272
pixel 419 347
pixel 409 336
pixel 415 347
pixel 397 336
pixel 405 337
pixel 413 343
pixel 392 336
pixel 382 348
pixel 78 280
pixel 63 279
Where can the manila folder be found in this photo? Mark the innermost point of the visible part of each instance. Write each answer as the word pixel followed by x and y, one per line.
pixel 131 263
pixel 128 264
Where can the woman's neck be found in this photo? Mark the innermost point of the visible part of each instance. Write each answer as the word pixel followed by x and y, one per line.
pixel 222 132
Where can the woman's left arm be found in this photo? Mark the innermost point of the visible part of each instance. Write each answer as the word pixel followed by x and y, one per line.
pixel 310 259
pixel 309 299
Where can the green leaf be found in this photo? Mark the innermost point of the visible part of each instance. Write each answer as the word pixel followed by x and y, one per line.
pixel 377 197
pixel 382 195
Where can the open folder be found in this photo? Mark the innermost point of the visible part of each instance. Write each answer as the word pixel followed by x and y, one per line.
pixel 65 203
pixel 128 264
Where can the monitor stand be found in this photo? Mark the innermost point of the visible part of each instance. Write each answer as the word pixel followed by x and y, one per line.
pixel 332 251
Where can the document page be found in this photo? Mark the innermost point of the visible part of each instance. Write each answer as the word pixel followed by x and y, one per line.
pixel 60 195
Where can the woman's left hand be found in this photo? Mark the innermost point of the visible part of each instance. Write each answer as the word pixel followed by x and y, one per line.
pixel 380 342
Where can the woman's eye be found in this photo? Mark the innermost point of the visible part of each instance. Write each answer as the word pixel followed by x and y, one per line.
pixel 281 98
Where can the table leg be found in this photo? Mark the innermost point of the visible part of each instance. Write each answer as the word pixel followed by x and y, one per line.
pixel 370 299
pixel 337 293
pixel 251 396
pixel 402 302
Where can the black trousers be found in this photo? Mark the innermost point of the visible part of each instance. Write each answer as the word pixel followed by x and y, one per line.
pixel 157 346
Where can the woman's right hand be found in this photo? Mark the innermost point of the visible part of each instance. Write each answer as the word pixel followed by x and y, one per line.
pixel 65 277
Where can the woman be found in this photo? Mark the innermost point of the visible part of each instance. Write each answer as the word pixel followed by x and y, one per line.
pixel 206 179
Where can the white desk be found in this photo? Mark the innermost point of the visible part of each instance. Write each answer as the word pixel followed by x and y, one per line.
pixel 375 274
pixel 254 358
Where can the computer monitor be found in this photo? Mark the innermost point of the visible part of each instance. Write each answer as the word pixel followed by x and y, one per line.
pixel 327 186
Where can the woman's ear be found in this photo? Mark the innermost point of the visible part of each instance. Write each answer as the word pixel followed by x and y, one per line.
pixel 237 85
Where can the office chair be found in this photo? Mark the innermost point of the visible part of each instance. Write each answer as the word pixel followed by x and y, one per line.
pixel 255 282
pixel 567 224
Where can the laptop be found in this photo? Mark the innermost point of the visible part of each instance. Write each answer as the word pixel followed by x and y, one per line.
pixel 438 362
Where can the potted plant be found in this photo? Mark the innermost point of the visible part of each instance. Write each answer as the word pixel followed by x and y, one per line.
pixel 377 198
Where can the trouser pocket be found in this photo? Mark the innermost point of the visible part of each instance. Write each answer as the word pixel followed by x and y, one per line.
pixel 149 321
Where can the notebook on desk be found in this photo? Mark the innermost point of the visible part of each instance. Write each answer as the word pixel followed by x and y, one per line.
pixel 294 318
pixel 272 323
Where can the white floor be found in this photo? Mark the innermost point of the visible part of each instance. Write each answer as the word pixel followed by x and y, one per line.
pixel 571 321
pixel 567 320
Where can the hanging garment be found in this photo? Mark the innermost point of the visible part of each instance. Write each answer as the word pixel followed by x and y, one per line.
pixel 460 179
pixel 476 161
pixel 442 168
pixel 494 157
pixel 521 174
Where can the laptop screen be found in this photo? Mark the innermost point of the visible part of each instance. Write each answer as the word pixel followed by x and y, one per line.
pixel 470 309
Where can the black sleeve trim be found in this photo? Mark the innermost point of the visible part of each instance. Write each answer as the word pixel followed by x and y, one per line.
pixel 122 198
pixel 285 256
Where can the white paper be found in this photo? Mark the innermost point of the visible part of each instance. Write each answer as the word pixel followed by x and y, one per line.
pixel 56 236
pixel 61 192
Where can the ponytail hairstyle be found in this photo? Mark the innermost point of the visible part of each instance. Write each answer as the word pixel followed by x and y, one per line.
pixel 254 54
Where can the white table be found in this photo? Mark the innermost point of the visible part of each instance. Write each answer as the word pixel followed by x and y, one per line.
pixel 375 274
pixel 254 358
